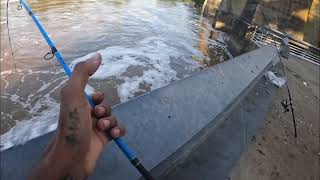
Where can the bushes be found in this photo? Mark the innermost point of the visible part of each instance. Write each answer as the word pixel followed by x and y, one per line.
pixel 197 2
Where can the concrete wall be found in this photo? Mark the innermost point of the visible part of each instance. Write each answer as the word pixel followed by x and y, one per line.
pixel 298 18
pixel 285 15
pixel 312 27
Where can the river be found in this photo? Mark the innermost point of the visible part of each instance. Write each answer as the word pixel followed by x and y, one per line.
pixel 145 45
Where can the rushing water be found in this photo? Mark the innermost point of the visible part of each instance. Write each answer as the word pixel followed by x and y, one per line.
pixel 145 45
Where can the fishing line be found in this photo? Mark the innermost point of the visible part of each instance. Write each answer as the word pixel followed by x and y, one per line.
pixel 284 73
pixel 8 30
pixel 127 151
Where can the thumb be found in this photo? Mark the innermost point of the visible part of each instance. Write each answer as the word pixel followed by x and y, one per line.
pixel 83 70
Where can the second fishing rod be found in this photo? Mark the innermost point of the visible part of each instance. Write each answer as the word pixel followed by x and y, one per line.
pixel 127 151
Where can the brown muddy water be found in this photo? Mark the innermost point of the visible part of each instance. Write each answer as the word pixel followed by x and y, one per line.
pixel 145 45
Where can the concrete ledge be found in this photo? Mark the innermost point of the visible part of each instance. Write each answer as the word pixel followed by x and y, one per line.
pixel 215 157
pixel 163 125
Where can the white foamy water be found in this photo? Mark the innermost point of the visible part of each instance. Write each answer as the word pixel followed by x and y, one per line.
pixel 153 54
pixel 28 129
pixel 42 121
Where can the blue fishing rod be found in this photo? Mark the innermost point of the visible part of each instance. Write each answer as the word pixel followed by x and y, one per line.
pixel 127 151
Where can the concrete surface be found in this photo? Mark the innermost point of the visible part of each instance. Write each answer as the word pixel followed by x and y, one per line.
pixel 217 155
pixel 274 153
pixel 175 118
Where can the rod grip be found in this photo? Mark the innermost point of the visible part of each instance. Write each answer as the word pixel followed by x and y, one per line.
pixel 143 171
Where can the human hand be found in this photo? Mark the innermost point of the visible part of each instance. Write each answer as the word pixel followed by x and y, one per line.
pixel 82 132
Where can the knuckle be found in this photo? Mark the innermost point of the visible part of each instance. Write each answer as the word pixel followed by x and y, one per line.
pixel 113 120
pixel 108 109
pixel 80 65
pixel 96 95
pixel 123 130
pixel 96 108
pixel 65 90
pixel 101 123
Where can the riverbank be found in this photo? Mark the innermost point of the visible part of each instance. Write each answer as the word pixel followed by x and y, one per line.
pixel 274 152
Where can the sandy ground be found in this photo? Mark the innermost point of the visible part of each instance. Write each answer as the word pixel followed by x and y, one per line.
pixel 274 152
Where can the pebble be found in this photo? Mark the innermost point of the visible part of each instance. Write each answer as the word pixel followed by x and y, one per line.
pixel 305 83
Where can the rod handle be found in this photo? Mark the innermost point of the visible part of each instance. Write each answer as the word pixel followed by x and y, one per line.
pixel 143 171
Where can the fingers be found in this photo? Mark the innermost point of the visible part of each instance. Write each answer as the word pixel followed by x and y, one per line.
pixel 118 132
pixel 83 70
pixel 97 97
pixel 110 125
pixel 102 111
pixel 107 123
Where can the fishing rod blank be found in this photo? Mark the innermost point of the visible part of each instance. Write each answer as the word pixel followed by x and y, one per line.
pixel 54 51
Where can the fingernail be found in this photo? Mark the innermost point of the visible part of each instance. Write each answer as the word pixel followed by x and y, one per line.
pixel 106 123
pixel 101 110
pixel 116 132
pixel 95 57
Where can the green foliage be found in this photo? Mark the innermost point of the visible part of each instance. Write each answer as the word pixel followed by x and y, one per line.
pixel 197 2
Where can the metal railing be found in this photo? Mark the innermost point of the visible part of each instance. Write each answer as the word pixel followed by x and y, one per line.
pixel 262 36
